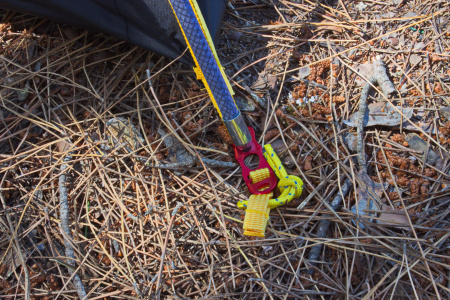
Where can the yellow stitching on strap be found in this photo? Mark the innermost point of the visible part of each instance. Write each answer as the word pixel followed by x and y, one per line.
pixel 257 212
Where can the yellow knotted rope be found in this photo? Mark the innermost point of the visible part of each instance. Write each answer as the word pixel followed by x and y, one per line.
pixel 258 206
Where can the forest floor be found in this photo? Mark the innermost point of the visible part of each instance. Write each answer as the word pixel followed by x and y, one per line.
pixel 352 95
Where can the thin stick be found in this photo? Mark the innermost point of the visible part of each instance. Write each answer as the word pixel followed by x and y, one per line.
pixel 360 130
pixel 64 214
pixel 18 251
pixel 324 224
pixel 163 255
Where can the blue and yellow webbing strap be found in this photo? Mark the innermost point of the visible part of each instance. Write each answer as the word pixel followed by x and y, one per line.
pixel 207 64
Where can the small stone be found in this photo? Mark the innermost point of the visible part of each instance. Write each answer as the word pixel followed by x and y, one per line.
pixel 393 41
pixel 419 46
pixel 351 141
pixel 361 6
pixel 445 112
pixel 408 15
pixel 23 93
pixel 304 72
pixel 236 35
pixel 415 59
pixel 388 15
pixel 41 246
pixel 244 104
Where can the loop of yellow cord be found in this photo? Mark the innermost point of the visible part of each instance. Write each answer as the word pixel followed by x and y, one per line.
pixel 257 208
pixel 290 186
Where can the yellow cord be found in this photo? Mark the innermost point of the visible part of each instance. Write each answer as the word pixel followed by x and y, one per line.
pixel 258 206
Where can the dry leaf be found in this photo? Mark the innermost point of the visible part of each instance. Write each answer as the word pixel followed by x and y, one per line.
pixel 368 195
pixel 437 57
pixel 12 261
pixel 63 146
pixel 365 70
pixel 308 163
pixel 418 144
pixel 122 130
pixel 427 127
pixel 279 146
pixel 445 112
pixel 265 81
pixel 351 141
pixel 381 113
pixel 244 104
pixel 177 151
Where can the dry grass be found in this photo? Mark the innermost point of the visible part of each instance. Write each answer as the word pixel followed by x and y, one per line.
pixel 141 230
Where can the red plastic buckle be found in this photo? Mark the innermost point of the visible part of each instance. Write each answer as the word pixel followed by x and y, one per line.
pixel 255 148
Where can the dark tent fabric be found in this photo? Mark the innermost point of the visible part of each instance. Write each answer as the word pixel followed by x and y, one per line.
pixel 150 24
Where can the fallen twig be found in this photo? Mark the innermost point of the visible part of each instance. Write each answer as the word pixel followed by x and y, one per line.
pixel 184 158
pixel 379 76
pixel 382 78
pixel 324 224
pixel 360 129
pixel 64 214
pixel 19 252
pixel 163 255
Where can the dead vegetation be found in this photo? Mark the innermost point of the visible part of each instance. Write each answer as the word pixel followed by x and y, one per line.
pixel 151 186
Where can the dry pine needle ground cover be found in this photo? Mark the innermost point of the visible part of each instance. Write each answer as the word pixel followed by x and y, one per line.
pixel 118 180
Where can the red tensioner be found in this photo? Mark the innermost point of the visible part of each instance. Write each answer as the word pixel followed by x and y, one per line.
pixel 265 186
